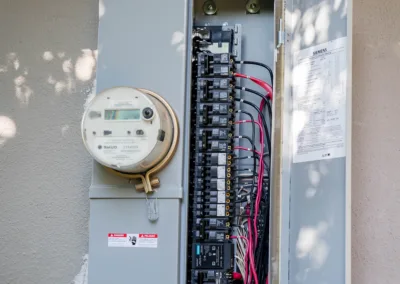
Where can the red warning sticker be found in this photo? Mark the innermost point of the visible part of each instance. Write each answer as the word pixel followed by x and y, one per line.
pixel 133 240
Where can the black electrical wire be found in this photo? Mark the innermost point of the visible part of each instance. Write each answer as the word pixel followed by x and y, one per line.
pixel 243 177
pixel 267 101
pixel 252 157
pixel 247 176
pixel 253 137
pixel 247 138
pixel 245 215
pixel 253 185
pixel 251 199
pixel 266 129
pixel 244 185
pixel 261 253
pixel 260 113
pixel 243 199
pixel 261 257
pixel 271 74
pixel 260 250
pixel 245 170
pixel 245 157
pixel 267 136
pixel 252 127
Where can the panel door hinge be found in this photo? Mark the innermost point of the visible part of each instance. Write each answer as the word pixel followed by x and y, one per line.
pixel 281 39
pixel 281 34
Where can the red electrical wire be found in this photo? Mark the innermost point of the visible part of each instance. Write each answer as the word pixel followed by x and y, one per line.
pixel 249 249
pixel 262 84
pixel 252 265
pixel 269 91
pixel 259 82
pixel 258 198
pixel 237 276
pixel 247 149
pixel 260 174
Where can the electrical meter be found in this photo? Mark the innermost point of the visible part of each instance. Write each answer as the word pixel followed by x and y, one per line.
pixel 129 130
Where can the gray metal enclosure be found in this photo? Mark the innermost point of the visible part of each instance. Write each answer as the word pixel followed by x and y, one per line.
pixel 147 44
pixel 140 45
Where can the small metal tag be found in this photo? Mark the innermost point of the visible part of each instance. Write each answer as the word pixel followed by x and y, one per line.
pixel 152 209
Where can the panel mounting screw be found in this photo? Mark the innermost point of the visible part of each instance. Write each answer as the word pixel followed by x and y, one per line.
pixel 209 7
pixel 252 7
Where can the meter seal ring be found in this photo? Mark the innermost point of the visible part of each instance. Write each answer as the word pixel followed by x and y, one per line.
pixel 147 181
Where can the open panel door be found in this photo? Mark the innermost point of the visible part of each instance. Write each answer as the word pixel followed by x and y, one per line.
pixel 311 190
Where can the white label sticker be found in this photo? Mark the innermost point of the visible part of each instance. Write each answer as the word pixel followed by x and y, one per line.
pixel 118 104
pixel 221 172
pixel 221 159
pixel 132 240
pixel 122 150
pixel 221 184
pixel 224 69
pixel 220 210
pixel 319 101
pixel 221 197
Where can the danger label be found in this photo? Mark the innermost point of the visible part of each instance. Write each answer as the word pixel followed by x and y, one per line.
pixel 132 240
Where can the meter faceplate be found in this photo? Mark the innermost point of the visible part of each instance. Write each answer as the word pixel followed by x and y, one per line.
pixel 127 130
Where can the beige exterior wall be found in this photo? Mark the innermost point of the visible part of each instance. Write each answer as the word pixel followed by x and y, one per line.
pixel 376 142
pixel 47 64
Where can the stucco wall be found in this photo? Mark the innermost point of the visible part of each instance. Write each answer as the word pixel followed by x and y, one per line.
pixel 376 142
pixel 47 59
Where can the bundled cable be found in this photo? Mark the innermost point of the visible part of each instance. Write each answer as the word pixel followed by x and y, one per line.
pixel 271 75
pixel 255 262
pixel 261 120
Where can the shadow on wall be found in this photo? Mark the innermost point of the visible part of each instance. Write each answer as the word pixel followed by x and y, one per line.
pixel 48 55
pixel 66 74
pixel 69 76
pixel 80 69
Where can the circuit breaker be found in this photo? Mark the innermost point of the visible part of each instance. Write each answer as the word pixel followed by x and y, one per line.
pixel 220 142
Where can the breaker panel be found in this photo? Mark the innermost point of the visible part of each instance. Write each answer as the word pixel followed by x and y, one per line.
pixel 180 132
pixel 228 197
pixel 180 129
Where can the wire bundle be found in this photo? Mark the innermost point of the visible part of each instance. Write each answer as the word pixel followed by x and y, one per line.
pixel 252 232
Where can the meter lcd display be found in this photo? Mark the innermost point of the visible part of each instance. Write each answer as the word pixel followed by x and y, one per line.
pixel 122 114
